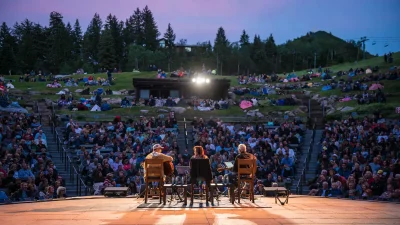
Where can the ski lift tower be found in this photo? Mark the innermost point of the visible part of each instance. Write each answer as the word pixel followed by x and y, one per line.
pixel 363 40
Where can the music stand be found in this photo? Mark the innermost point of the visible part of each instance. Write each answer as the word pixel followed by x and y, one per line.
pixel 181 170
pixel 228 165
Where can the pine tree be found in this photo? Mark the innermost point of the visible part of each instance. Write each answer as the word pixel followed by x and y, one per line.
pixel 69 42
pixel 150 30
pixel 107 54
pixel 91 41
pixel 115 28
pixel 271 51
pixel 77 44
pixel 244 53
pixel 221 44
pixel 244 39
pixel 137 27
pixel 7 50
pixel 170 37
pixel 23 33
pixel 40 48
pixel 258 54
pixel 57 43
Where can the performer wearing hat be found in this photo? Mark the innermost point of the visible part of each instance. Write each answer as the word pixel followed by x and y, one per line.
pixel 156 154
pixel 167 160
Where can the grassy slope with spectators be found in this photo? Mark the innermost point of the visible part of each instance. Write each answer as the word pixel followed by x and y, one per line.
pixel 124 81
pixel 392 89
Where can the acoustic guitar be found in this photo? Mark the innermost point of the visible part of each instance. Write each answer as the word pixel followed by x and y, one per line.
pixel 168 168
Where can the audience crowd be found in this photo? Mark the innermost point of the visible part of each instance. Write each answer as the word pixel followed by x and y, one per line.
pixel 359 159
pixel 111 154
pixel 26 168
pixel 274 147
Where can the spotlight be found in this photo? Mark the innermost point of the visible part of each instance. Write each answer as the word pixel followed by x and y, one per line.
pixel 207 81
pixel 194 80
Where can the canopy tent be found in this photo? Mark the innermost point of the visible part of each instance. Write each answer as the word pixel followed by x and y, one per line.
pixel 246 104
pixel 327 88
pixel 290 76
pixel 375 87
pixel 96 108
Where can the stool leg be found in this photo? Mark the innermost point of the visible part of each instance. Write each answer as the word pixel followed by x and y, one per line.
pixel 207 194
pixel 164 195
pixel 252 192
pixel 191 194
pixel 239 191
pixel 185 196
pixel 212 195
pixel 160 185
pixel 146 192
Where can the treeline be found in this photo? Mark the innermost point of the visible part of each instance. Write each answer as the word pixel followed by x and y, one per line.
pixel 135 44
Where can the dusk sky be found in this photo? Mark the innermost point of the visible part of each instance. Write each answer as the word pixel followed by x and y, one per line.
pixel 198 20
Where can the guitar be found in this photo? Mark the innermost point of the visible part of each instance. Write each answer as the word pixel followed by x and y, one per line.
pixel 169 168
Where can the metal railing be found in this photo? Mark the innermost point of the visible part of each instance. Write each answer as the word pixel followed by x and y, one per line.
pixel 68 164
pixel 185 133
pixel 36 110
pixel 306 163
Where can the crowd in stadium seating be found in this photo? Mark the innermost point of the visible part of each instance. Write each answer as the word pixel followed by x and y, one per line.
pixel 359 159
pixel 111 154
pixel 273 147
pixel 26 169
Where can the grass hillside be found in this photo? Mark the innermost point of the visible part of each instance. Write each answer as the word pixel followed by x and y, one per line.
pixel 330 50
pixel 37 90
pixel 124 80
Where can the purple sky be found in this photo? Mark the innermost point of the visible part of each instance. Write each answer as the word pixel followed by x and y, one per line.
pixel 198 20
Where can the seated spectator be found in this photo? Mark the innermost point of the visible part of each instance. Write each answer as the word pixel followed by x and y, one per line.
pixel 335 191
pixel 23 193
pixel 24 173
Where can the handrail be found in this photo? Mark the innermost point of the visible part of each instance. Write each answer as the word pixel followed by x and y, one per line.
pixel 186 134
pixel 74 175
pixel 302 180
pixel 36 110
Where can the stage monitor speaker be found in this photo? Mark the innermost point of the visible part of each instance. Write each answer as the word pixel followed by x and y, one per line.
pixel 116 191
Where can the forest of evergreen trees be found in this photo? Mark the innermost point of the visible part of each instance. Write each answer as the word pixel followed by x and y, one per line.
pixel 61 48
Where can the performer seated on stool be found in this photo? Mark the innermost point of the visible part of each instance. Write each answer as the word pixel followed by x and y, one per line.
pixel 243 154
pixel 198 152
pixel 156 154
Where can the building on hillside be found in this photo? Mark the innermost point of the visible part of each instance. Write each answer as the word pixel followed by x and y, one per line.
pixel 182 49
pixel 178 88
pixel 162 43
pixel 190 49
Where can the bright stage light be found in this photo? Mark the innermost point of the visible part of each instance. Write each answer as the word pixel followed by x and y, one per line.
pixel 200 80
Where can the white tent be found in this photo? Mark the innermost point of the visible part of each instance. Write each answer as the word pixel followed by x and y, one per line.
pixel 95 108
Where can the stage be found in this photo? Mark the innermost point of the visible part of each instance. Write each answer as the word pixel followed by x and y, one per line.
pixel 101 210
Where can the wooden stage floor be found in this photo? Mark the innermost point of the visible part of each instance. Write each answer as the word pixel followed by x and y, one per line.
pixel 100 210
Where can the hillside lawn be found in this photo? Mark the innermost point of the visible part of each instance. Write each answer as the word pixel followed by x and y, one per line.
pixel 124 81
